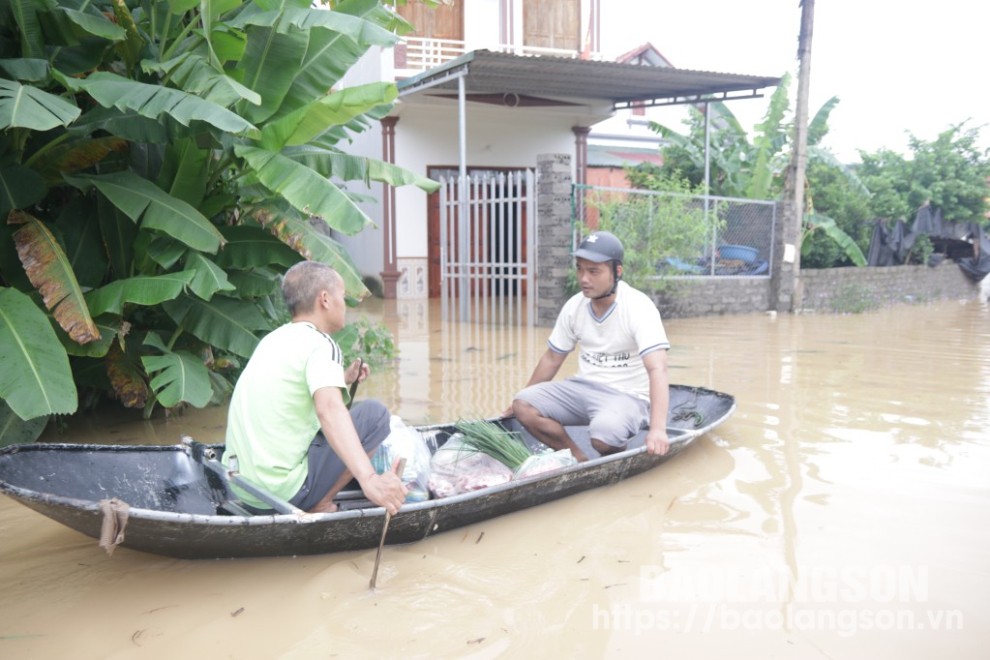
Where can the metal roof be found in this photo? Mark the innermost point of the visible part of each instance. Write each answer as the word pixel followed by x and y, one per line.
pixel 488 72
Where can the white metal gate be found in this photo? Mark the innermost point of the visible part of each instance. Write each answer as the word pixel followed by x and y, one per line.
pixel 488 247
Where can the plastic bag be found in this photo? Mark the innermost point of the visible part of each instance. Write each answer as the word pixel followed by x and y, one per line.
pixel 456 469
pixel 544 463
pixel 405 442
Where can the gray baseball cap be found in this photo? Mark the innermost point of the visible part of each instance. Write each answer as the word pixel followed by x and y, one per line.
pixel 600 246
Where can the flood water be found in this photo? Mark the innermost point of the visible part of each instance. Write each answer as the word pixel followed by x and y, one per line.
pixel 842 512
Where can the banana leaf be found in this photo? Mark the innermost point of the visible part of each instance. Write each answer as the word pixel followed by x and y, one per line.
pixel 51 274
pixel 249 247
pixel 315 244
pixel 226 323
pixel 147 204
pixel 137 290
pixel 307 191
pixel 36 379
pixel 313 119
pixel 14 430
pixel 178 376
pixel 208 278
pixel 24 106
pixel 815 221
pixel 157 102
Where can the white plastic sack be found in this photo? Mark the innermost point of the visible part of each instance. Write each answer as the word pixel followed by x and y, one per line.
pixel 544 463
pixel 405 442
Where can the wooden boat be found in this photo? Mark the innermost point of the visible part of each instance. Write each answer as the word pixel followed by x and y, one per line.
pixel 179 502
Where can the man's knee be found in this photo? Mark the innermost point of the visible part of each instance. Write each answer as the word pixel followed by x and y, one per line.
pixel 604 448
pixel 525 412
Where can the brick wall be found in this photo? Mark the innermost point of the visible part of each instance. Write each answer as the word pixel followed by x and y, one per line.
pixel 856 289
pixel 824 290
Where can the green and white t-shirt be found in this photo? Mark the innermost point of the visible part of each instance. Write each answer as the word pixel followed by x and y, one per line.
pixel 272 419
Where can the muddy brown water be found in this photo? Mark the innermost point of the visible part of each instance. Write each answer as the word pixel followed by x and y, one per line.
pixel 842 512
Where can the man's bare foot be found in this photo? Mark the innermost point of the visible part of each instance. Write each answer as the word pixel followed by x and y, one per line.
pixel 324 508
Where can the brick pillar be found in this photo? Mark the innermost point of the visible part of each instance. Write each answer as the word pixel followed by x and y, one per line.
pixel 390 273
pixel 553 234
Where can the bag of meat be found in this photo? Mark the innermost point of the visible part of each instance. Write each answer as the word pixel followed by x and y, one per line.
pixel 544 463
pixel 457 469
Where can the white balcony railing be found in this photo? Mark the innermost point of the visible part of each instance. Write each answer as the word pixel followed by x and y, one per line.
pixel 416 54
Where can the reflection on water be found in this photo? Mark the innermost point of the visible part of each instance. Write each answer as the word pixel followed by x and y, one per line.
pixel 860 444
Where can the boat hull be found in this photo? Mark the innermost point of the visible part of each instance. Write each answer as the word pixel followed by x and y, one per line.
pixel 67 482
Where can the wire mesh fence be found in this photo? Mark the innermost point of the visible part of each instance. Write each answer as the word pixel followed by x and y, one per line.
pixel 674 235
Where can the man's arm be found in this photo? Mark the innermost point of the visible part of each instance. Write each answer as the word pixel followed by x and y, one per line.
pixel 547 367
pixel 384 490
pixel 656 369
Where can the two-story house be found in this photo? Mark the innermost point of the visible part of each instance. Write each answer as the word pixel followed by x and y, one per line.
pixel 484 88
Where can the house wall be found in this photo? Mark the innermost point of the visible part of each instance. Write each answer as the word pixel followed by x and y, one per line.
pixel 428 136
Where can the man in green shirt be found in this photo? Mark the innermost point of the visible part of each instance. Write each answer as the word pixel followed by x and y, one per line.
pixel 288 424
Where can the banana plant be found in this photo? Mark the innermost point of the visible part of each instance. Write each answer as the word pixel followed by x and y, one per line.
pixel 162 162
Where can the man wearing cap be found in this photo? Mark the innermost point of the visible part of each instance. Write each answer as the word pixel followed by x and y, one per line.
pixel 622 384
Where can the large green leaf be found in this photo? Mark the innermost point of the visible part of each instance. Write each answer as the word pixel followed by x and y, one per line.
pixel 145 291
pixel 186 171
pixel 138 197
pixel 178 376
pixel 20 187
pixel 313 243
pixel 25 15
pixel 194 74
pixel 155 102
pixel 296 54
pixel 223 322
pixel 79 228
pixel 50 272
pixel 249 247
pixel 304 189
pixel 24 106
pixel 313 119
pixel 35 378
pixel 14 430
pixel 269 59
pixel 357 168
pixel 25 69
pixel 255 283
pixel 209 278
pixel 95 24
pixel 814 221
pixel 126 125
pixel 118 234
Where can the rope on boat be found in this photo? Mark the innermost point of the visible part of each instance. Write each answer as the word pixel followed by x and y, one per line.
pixel 686 411
pixel 115 514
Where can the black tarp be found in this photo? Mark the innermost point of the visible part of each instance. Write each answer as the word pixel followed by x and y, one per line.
pixel 965 242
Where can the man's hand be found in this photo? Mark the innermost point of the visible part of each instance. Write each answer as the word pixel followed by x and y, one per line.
pixel 385 490
pixel 657 442
pixel 358 370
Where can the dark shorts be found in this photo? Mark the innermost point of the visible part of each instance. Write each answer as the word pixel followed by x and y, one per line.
pixel 371 420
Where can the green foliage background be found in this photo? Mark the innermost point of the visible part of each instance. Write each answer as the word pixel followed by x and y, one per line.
pixel 162 162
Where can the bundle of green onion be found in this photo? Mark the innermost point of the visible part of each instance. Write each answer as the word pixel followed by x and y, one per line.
pixel 489 438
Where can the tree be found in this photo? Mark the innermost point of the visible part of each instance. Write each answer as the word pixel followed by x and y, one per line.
pixel 161 163
pixel 949 172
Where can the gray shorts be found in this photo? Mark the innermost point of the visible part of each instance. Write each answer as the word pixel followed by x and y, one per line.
pixel 371 420
pixel 613 417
